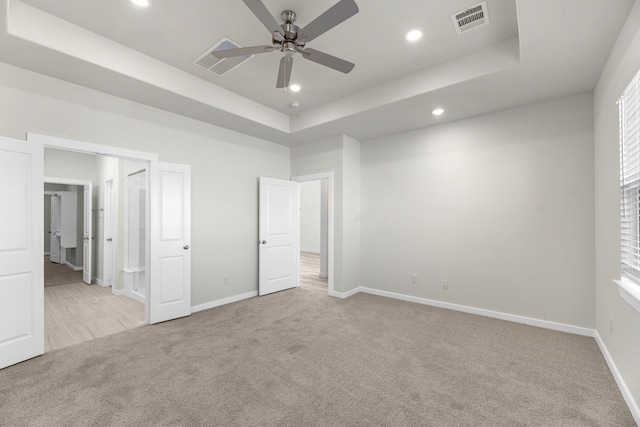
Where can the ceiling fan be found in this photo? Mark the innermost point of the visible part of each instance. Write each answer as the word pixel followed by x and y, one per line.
pixel 290 39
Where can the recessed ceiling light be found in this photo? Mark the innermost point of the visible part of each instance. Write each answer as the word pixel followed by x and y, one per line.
pixel 437 112
pixel 414 35
pixel 295 87
pixel 141 3
pixel 294 104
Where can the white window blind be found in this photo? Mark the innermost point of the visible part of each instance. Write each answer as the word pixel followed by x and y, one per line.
pixel 629 105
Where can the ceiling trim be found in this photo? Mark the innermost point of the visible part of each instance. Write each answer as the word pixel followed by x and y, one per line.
pixel 40 28
pixel 53 34
pixel 478 64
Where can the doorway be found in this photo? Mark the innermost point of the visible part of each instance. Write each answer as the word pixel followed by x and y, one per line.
pixel 316 231
pixel 80 302
pixel 313 235
pixel 68 227
pixel 22 293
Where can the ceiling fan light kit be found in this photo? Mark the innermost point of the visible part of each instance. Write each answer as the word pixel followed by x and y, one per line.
pixel 290 39
pixel 141 3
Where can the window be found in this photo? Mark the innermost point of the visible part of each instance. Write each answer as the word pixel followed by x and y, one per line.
pixel 629 105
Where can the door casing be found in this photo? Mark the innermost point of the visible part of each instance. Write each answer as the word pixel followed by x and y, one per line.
pixel 87 275
pixel 90 148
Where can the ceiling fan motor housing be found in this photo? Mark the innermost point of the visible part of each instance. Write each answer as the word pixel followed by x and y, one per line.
pixel 289 45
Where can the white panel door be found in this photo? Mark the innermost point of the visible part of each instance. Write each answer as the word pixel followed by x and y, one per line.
pixel 54 251
pixel 21 251
pixel 87 237
pixel 170 279
pixel 68 219
pixel 109 226
pixel 279 235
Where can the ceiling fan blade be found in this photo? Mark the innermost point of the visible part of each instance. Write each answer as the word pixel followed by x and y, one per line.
pixel 327 60
pixel 284 74
pixel 241 51
pixel 335 15
pixel 262 13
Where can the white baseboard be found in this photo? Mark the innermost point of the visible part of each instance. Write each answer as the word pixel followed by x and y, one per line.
pixel 47 253
pixel 73 267
pixel 118 291
pixel 626 394
pixel 577 330
pixel 323 275
pixel 224 301
pixel 344 295
pixel 98 282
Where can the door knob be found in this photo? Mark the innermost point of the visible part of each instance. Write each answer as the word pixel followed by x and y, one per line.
pixel 185 247
pixel 264 242
pixel 109 239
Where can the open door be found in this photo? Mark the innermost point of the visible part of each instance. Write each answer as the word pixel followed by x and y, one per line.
pixel 21 251
pixel 54 233
pixel 279 235
pixel 170 276
pixel 87 237
pixel 109 232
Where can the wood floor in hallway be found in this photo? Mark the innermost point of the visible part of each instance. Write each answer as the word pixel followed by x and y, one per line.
pixel 77 312
pixel 310 272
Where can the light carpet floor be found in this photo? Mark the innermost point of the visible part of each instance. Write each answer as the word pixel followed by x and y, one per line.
pixel 302 358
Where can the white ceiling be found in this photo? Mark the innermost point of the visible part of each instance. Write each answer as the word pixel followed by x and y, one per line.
pixel 531 51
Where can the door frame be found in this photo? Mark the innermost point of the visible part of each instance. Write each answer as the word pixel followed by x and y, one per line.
pixel 330 221
pixel 85 184
pixel 106 150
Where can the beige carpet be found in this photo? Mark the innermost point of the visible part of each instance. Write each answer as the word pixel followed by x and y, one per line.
pixel 59 274
pixel 302 358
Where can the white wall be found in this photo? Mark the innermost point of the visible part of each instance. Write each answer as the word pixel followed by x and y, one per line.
pixel 351 212
pixel 623 344
pixel 225 166
pixel 500 205
pixel 310 193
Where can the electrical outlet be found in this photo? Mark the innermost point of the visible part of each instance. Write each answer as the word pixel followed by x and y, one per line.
pixel 226 280
pixel 610 325
pixel 445 284
pixel 414 279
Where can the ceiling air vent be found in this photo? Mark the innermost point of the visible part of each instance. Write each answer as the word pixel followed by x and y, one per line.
pixel 220 66
pixel 471 18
